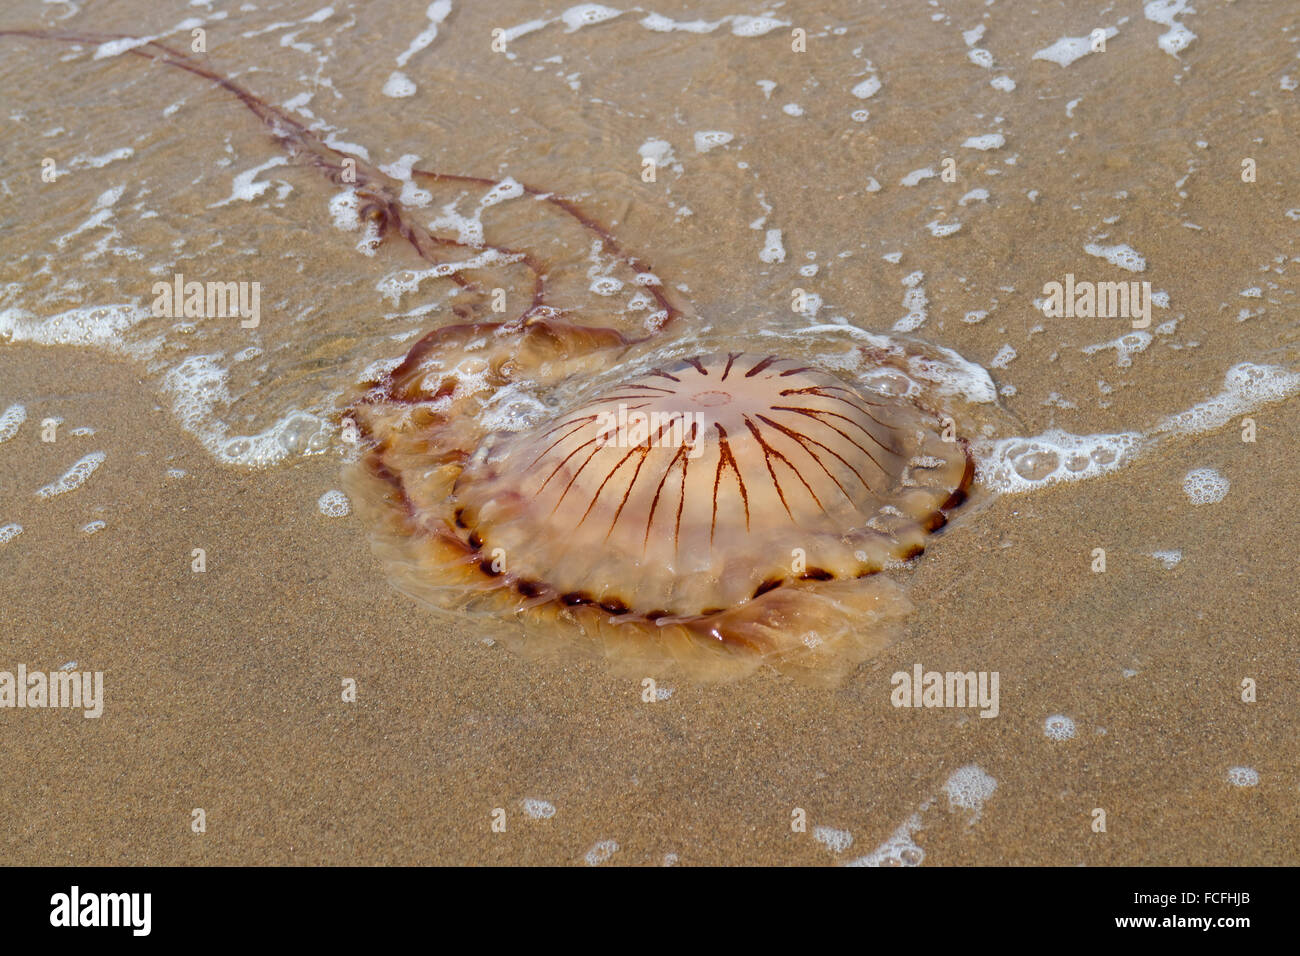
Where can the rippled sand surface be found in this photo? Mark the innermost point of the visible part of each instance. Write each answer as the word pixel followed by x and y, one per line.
pixel 915 171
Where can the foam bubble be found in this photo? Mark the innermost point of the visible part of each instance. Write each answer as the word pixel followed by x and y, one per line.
pixel 1243 777
pixel 1205 486
pixel 917 175
pixel 1126 346
pixel 708 139
pixel 344 211
pixel 437 12
pixel 915 301
pixel 661 151
pixel 10 531
pixel 1068 49
pixel 1168 558
pixel 510 34
pixel 1058 727
pixel 74 477
pixel 601 852
pixel 1005 356
pixel 587 14
pixel 398 85
pixel 245 186
pixel 986 142
pixel 899 850
pixel 11 421
pixel 102 326
pixel 1004 83
pixel 539 809
pixel 508 188
pixel 747 26
pixel 198 387
pixel 116 47
pixel 1015 465
pixel 412 195
pixel 969 788
pixel 93 527
pixel 1124 256
pixel 405 281
pixel 1178 37
pixel 605 285
pixel 837 841
pixel 334 504
pixel 867 88
pixel 941 229
pixel 99 162
pixel 1245 387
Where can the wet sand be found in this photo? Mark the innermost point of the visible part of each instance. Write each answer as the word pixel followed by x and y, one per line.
pixel 223 689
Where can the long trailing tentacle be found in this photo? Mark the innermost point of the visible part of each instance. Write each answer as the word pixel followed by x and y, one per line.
pixel 537 342
pixel 379 190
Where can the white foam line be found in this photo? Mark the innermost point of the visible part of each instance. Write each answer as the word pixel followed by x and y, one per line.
pixel 590 14
pixel 1016 465
pixel 835 840
pixel 11 421
pixel 102 326
pixel 99 162
pixel 321 15
pixel 118 47
pixel 437 13
pixel 601 852
pixel 538 809
pixel 197 387
pixel 968 788
pixel 245 187
pixel 1122 255
pixel 399 84
pixel 1068 49
pixel 1246 387
pixel 74 477
pixel 1164 12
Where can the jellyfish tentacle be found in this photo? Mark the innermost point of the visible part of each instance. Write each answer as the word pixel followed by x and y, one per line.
pixel 570 209
pixel 379 192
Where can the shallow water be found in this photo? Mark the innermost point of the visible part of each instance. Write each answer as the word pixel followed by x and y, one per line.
pixel 776 171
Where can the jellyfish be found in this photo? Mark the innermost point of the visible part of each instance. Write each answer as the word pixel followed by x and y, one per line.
pixel 720 512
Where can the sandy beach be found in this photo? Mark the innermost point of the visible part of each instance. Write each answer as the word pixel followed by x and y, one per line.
pixel 1121 690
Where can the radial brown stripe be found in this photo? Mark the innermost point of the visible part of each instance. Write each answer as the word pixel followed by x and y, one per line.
pixel 731 358
pixel 803 440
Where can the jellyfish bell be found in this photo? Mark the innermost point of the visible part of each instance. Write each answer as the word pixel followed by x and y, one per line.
pixel 722 511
